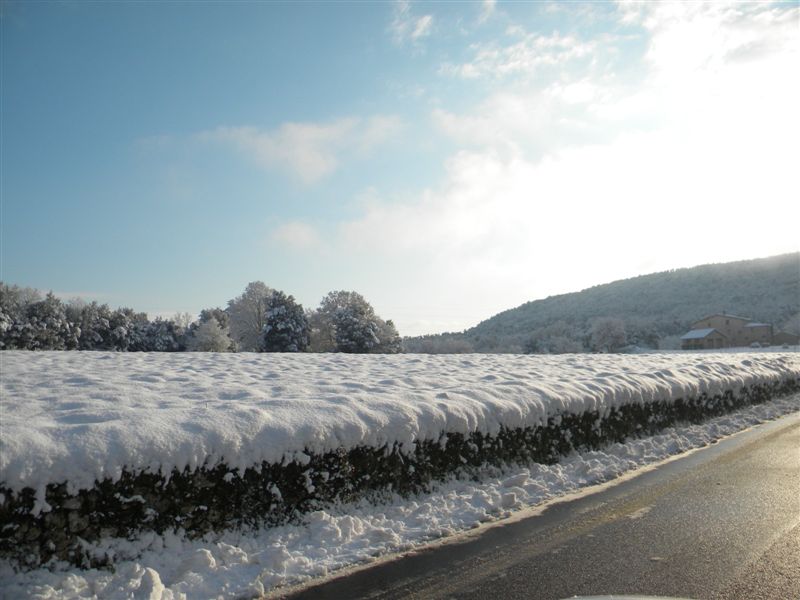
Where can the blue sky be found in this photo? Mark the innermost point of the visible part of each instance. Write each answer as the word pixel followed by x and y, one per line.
pixel 447 160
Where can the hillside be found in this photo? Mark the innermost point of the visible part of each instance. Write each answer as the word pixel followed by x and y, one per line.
pixel 654 309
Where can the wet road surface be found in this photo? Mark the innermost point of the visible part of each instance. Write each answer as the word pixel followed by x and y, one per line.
pixel 720 523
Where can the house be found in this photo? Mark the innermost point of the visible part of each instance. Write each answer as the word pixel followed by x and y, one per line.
pixel 729 331
pixel 781 338
pixel 703 339
pixel 757 333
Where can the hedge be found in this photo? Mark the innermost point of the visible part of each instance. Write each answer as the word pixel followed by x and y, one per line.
pixel 216 498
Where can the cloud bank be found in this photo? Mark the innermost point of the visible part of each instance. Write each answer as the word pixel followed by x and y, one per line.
pixel 308 151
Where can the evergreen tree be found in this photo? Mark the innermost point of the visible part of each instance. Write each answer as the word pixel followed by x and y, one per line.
pixel 15 331
pixel 354 323
pixel 128 331
pixel 48 327
pixel 346 322
pixel 219 315
pixel 162 335
pixel 286 327
pixel 389 339
pixel 94 321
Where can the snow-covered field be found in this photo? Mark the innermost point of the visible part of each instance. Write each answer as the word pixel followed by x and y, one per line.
pixel 85 416
pixel 246 565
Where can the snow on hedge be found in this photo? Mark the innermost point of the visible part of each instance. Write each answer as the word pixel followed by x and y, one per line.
pixel 80 417
pixel 247 564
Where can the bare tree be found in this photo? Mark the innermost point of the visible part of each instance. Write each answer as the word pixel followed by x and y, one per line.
pixel 608 334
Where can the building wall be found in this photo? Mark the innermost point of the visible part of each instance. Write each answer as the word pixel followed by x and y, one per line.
pixel 761 335
pixel 735 330
pixel 730 327
pixel 782 337
pixel 710 342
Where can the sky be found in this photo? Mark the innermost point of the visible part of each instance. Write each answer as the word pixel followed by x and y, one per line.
pixel 447 160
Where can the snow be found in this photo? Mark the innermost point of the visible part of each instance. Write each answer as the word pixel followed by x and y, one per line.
pixel 246 565
pixel 85 416
pixel 696 334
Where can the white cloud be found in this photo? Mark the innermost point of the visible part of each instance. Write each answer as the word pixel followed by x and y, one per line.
pixel 534 121
pixel 310 151
pixel 525 57
pixel 706 36
pixel 708 62
pixel 297 235
pixel 422 27
pixel 406 27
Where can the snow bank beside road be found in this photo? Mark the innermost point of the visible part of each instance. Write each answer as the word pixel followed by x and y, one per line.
pixel 82 417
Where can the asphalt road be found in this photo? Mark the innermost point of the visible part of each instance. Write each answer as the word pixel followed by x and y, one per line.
pixel 720 523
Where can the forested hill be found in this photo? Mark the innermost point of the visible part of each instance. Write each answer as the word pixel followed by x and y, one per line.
pixel 654 309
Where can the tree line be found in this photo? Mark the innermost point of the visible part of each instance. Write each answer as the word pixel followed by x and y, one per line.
pixel 261 319
pixel 603 334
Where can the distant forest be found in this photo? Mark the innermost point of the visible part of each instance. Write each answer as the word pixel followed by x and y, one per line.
pixel 650 311
pixel 261 319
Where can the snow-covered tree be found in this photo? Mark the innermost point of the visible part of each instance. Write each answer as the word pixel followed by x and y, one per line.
pixel 322 337
pixel 346 322
pixel 208 336
pixel 286 328
pixel 389 340
pixel 791 324
pixel 47 326
pixel 94 321
pixel 350 320
pixel 14 302
pixel 219 315
pixel 559 337
pixel 211 333
pixel 162 335
pixel 128 331
pixel 608 334
pixel 355 333
pixel 642 331
pixel 248 314
pixel 182 320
